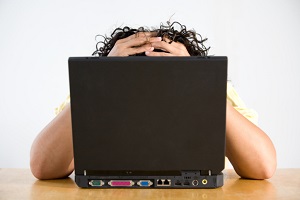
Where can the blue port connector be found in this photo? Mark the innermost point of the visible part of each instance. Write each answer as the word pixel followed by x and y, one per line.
pixel 145 183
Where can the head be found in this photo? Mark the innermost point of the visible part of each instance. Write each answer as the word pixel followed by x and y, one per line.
pixel 173 32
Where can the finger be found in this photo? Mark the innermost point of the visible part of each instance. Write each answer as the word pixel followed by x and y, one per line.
pixel 123 40
pixel 142 40
pixel 138 35
pixel 176 49
pixel 133 46
pixel 141 49
pixel 173 43
pixel 153 53
pixel 162 45
pixel 130 51
pixel 146 34
pixel 154 39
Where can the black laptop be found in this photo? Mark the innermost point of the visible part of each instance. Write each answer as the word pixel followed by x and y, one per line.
pixel 148 122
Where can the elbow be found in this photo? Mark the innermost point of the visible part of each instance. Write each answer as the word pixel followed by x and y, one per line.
pixel 268 170
pixel 268 166
pixel 260 169
pixel 36 165
pixel 37 173
pixel 39 166
pixel 37 170
pixel 43 170
pixel 261 172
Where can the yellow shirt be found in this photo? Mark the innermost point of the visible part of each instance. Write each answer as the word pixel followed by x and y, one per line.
pixel 240 106
pixel 62 106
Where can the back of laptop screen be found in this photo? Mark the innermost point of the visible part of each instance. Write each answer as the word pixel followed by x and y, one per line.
pixel 148 115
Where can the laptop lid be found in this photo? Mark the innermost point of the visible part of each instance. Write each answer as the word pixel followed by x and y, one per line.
pixel 143 116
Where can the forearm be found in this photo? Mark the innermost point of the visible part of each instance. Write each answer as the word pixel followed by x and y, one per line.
pixel 248 148
pixel 51 153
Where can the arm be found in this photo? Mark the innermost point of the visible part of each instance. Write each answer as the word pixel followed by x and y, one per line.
pixel 51 153
pixel 249 149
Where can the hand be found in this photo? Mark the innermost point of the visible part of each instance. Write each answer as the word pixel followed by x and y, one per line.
pixel 169 48
pixel 134 44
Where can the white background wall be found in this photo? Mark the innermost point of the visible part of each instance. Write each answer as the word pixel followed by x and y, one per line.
pixel 260 38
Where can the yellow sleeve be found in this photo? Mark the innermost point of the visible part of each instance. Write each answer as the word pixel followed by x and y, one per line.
pixel 239 105
pixel 62 106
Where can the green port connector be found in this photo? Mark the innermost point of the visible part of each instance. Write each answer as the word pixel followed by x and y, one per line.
pixel 96 183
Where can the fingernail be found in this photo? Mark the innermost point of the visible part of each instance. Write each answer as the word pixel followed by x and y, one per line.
pixel 155 39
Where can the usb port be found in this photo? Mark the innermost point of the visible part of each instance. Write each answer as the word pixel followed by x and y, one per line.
pixel 186 183
pixel 177 183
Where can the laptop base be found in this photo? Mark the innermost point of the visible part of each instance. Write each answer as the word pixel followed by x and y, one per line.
pixel 190 180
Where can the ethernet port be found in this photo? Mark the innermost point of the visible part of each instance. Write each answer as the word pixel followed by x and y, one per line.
pixel 159 182
pixel 167 182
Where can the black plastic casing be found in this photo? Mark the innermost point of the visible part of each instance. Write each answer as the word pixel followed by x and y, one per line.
pixel 138 117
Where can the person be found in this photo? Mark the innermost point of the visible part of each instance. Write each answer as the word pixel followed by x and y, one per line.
pixel 248 148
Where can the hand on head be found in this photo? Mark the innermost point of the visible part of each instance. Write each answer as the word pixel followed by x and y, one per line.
pixel 148 43
pixel 169 48
pixel 173 39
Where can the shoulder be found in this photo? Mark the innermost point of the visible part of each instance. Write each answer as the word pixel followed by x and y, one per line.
pixel 236 101
pixel 62 105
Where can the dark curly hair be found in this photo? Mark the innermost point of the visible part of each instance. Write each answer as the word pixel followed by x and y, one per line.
pixel 191 40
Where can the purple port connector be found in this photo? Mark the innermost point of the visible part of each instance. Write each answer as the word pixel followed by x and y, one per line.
pixel 121 183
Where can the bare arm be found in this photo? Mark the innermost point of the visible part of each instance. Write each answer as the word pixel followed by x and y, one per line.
pixel 51 153
pixel 249 149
